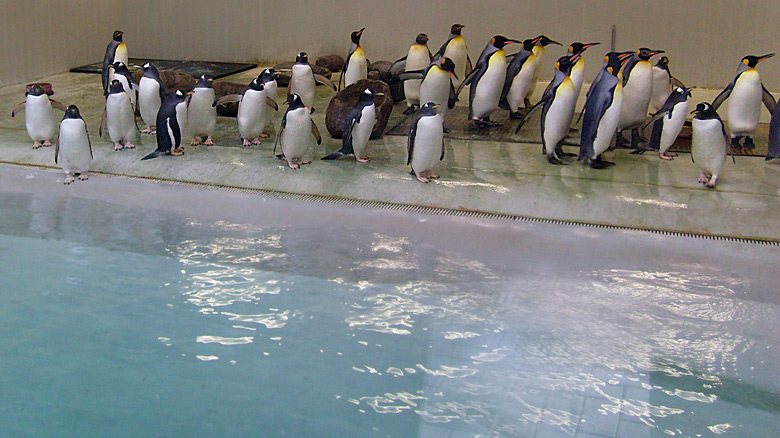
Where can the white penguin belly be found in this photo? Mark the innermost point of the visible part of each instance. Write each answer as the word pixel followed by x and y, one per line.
pixel 578 76
pixel 120 118
pixel 149 100
pixel 357 68
pixel 662 89
pixel 636 96
pixel 427 143
pixel 182 118
pixel 201 113
pixel 296 139
pixel 672 126
pixel 520 85
pixel 608 123
pixel 436 89
pixel 416 59
pixel 75 156
pixel 270 91
pixel 744 108
pixel 708 146
pixel 129 89
pixel 489 87
pixel 251 114
pixel 557 121
pixel 39 118
pixel 538 55
pixel 361 132
pixel 302 83
pixel 457 51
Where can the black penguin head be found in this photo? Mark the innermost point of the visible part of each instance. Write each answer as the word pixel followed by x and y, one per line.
pixel 429 109
pixel 644 53
pixel 368 95
pixel 256 85
pixel 36 90
pixel 179 96
pixel 565 63
pixel 72 112
pixel 456 28
pixel 663 62
pixel 752 61
pixel 543 41
pixel 615 60
pixel 116 87
pixel 205 81
pixel 294 101
pixel 528 44
pixel 118 35
pixel 268 75
pixel 577 48
pixel 500 41
pixel 448 65
pixel 421 39
pixel 684 91
pixel 120 67
pixel 302 58
pixel 356 35
pixel 150 70
pixel 703 110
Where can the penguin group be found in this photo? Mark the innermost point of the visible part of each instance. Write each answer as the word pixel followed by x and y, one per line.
pixel 628 94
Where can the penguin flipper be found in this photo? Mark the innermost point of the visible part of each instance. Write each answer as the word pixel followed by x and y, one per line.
pixel 57 149
pixel 58 105
pixel 723 96
pixel 453 97
pixel 677 83
pixel 230 98
pixel 324 81
pixel 398 66
pixel 102 122
pixel 154 154
pixel 774 135
pixel 406 75
pixel 529 113
pixel 469 64
pixel 333 156
pixel 272 103
pixel 410 142
pixel 316 132
pixel 19 108
pixel 442 149
pixel 768 99
pixel 474 74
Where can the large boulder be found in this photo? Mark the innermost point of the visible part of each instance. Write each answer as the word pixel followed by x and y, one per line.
pixel 331 62
pixel 284 72
pixel 172 80
pixel 223 89
pixel 340 105
pixel 381 70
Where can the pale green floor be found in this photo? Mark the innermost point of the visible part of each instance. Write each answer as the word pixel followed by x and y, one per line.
pixel 640 191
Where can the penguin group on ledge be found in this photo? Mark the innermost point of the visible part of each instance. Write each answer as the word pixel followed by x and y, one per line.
pixel 629 93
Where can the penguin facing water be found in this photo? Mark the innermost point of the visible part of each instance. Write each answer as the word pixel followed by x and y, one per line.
pixel 296 132
pixel 202 111
pixel 355 65
pixel 251 111
pixel 119 117
pixel 357 128
pixel 74 150
pixel 455 49
pixel 39 118
pixel 709 143
pixel 169 129
pixel 425 145
pixel 151 93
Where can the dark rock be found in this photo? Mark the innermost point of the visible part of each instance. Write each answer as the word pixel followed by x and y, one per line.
pixel 383 68
pixel 397 91
pixel 344 100
pixel 331 62
pixel 172 80
pixel 375 76
pixel 284 72
pixel 223 89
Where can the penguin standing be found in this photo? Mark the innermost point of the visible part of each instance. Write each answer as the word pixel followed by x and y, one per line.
pixel 557 109
pixel 667 123
pixel 745 94
pixel 116 51
pixel 39 118
pixel 663 84
pixel 119 117
pixel 357 128
pixel 297 132
pixel 774 135
pixel 202 111
pixel 637 91
pixel 304 81
pixel 123 75
pixel 455 49
pixel 251 111
pixel 418 58
pixel 150 95
pixel 578 70
pixel 540 46
pixel 519 74
pixel 169 130
pixel 356 64
pixel 268 78
pixel 74 150
pixel 487 81
pixel 709 143
pixel 602 111
pixel 426 142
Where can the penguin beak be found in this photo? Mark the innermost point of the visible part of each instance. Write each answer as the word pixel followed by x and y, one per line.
pixel 553 42
pixel 767 56
pixel 379 94
pixel 575 58
pixel 623 57
pixel 588 46
pixel 513 41
pixel 656 52
pixel 454 75
pixel 360 32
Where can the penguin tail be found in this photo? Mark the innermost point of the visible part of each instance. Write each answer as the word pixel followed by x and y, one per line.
pixel 334 156
pixel 154 154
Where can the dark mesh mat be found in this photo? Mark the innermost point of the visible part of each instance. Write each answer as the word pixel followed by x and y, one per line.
pixel 193 68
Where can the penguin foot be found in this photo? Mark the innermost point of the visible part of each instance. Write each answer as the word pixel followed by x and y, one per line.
pixel 208 142
pixel 362 159
pixel 129 145
pixel 527 102
pixel 703 178
pixel 293 165
pixel 515 115
pixel 117 146
pixel 409 110
pixel 749 145
pixel 552 159
pixel 68 179
pixel 246 143
pixel 178 151
pixel 262 135
pixel 195 141
pixel 36 144
pixel 559 152
pixel 48 143
pixel 301 161
pixel 429 174
pixel 83 176
pixel 147 130
pixel 485 123
pixel 422 179
pixel 257 140
pixel 711 183
pixel 667 156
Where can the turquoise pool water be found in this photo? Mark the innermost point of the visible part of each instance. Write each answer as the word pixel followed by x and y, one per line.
pixel 125 314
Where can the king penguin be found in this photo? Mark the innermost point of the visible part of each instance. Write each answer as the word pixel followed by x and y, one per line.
pixel 74 150
pixel 251 111
pixel 425 142
pixel 202 111
pixel 519 74
pixel 774 135
pixel 663 84
pixel 169 130
pixel 455 49
pixel 39 118
pixel 709 143
pixel 540 46
pixel 667 123
pixel 296 133
pixel 602 111
pixel 119 117
pixel 418 58
pixel 304 81
pixel 150 95
pixel 268 78
pixel 357 128
pixel 355 65
pixel 116 51
pixel 557 109
pixel 487 80
pixel 578 70
pixel 637 91
pixel 745 94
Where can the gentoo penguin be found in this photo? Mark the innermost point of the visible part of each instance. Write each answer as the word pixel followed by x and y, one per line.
pixel 745 94
pixel 268 78
pixel 602 111
pixel 455 49
pixel 169 131
pixel 774 135
pixel 251 111
pixel 358 127
pixel 304 81
pixel 637 91
pixel 123 75
pixel 202 111
pixel 418 58
pixel 663 84
pixel 150 95
pixel 296 133
pixel 116 51
pixel 709 143
pixel 74 150
pixel 519 74
pixel 39 118
pixel 557 109
pixel 119 117
pixel 487 81
pixel 425 143
pixel 540 46
pixel 578 70
pixel 667 123
pixel 356 64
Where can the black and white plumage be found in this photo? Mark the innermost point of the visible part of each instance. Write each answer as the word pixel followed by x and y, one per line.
pixel 115 51
pixel 355 64
pixel 303 81
pixel 357 128
pixel 119 117
pixel 123 75
pixel 455 49
pixel 202 112
pixel 637 92
pixel 39 115
pixel 418 58
pixel 151 93
pixel 667 123
pixel 296 132
pixel 169 130
pixel 74 149
pixel 252 109
pixel 425 145
pixel 774 134
pixel 709 143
